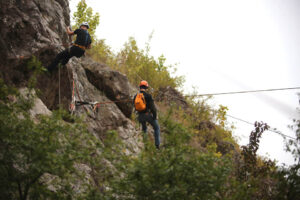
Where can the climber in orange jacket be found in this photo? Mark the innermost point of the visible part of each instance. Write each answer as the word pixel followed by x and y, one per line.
pixel 83 42
pixel 144 105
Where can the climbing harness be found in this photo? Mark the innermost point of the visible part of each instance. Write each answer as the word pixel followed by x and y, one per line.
pixel 81 47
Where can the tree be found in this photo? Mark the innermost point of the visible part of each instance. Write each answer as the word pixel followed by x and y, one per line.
pixel 85 14
pixel 137 64
pixel 102 53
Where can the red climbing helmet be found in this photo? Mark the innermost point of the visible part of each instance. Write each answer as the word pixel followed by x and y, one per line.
pixel 144 83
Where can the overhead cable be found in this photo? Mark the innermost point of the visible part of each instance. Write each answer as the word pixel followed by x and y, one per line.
pixel 242 92
pixel 270 129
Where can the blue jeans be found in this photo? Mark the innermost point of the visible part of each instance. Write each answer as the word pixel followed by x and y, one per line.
pixel 147 117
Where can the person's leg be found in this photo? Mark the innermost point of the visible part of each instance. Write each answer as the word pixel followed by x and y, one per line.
pixel 73 51
pixel 78 52
pixel 61 56
pixel 67 57
pixel 156 133
pixel 155 125
pixel 142 120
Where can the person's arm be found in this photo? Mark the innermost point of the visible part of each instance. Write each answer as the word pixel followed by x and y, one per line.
pixel 133 100
pixel 69 31
pixel 89 46
pixel 152 108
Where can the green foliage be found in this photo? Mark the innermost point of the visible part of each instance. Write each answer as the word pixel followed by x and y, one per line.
pixel 259 175
pixel 177 171
pixel 249 151
pixel 138 65
pixel 289 182
pixel 33 152
pixel 102 53
pixel 181 171
pixel 34 65
pixel 174 174
pixel 85 14
pixel 221 115
pixel 289 177
pixel 210 127
pixel 293 146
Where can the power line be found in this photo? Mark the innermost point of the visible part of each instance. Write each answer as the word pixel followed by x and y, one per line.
pixel 225 93
pixel 271 129
pixel 240 119
pixel 241 92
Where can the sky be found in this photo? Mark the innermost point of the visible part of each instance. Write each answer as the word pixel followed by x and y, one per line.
pixel 221 46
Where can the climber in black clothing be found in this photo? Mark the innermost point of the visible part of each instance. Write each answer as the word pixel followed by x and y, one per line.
pixel 144 105
pixel 83 41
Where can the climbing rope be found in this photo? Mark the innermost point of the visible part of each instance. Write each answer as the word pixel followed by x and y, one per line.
pixel 73 104
pixel 73 101
pixel 59 100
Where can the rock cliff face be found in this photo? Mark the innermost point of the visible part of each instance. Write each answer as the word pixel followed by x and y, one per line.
pixel 37 28
pixel 32 28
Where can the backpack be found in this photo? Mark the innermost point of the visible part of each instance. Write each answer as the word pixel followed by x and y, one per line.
pixel 140 102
